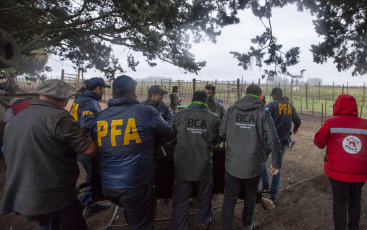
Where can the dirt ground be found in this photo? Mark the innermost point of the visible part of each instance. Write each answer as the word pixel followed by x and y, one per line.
pixel 305 200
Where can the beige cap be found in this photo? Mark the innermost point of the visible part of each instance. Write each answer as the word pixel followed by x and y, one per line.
pixel 56 88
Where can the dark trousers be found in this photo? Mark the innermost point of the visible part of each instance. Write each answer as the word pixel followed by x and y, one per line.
pixel 139 205
pixel 181 201
pixel 69 218
pixel 231 191
pixel 346 204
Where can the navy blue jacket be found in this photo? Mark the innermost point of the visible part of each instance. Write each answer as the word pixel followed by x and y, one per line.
pixel 283 114
pixel 163 109
pixel 85 108
pixel 125 134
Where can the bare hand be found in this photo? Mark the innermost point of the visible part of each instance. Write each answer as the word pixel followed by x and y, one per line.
pixel 273 171
pixel 295 131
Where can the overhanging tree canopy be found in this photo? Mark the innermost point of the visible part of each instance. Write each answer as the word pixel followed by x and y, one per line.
pixel 83 31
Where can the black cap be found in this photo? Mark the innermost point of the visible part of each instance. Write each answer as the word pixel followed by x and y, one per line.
pixel 156 89
pixel 92 83
pixel 277 91
pixel 123 85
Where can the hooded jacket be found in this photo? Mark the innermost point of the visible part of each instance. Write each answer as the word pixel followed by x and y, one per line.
pixel 163 109
pixel 197 131
pixel 244 126
pixel 345 135
pixel 216 107
pixel 283 114
pixel 85 108
pixel 125 134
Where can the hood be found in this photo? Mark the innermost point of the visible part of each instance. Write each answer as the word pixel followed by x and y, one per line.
pixel 122 101
pixel 249 102
pixel 345 105
pixel 88 93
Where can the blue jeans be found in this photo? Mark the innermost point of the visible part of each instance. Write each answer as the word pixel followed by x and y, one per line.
pixel 276 179
pixel 69 218
pixel 86 197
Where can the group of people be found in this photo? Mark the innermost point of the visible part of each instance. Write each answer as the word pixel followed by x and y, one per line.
pixel 42 165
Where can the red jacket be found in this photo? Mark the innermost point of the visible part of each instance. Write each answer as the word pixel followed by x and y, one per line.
pixel 345 135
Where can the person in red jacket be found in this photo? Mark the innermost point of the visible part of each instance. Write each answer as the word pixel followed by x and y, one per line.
pixel 345 135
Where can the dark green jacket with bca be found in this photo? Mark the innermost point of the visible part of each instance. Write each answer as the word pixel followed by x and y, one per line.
pixel 216 108
pixel 197 130
pixel 244 126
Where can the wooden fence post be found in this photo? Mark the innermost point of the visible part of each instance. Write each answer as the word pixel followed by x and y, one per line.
pixel 333 92
pixel 322 113
pixel 361 112
pixel 343 89
pixel 306 87
pixel 319 90
pixel 347 88
pixel 285 86
pixel 193 85
pixel 228 92
pixel 325 107
pixel 259 82
pixel 301 105
pixel 78 80
pixel 62 75
pixel 291 97
pixel 238 89
pixel 364 91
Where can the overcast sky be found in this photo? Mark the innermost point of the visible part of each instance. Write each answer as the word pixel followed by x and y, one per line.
pixel 292 28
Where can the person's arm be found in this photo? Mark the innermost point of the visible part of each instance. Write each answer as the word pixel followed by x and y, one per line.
pixel 214 137
pixel 273 140
pixel 68 131
pixel 89 111
pixel 162 128
pixel 223 125
pixel 168 114
pixel 322 136
pixel 9 114
pixel 296 120
pixel 222 111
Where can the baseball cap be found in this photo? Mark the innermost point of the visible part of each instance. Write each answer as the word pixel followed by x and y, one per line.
pixel 157 89
pixel 56 88
pixel 123 85
pixel 277 91
pixel 96 81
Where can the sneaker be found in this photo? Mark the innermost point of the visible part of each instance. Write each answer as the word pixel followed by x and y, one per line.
pixel 274 200
pixel 267 204
pixel 291 144
pixel 253 225
pixel 205 225
pixel 264 190
pixel 96 208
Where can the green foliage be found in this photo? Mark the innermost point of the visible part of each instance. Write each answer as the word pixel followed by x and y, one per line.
pixel 84 30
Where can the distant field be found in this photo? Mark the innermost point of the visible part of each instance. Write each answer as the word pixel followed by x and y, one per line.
pixel 317 97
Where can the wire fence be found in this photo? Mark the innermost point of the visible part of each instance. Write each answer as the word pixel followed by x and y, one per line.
pixel 314 100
